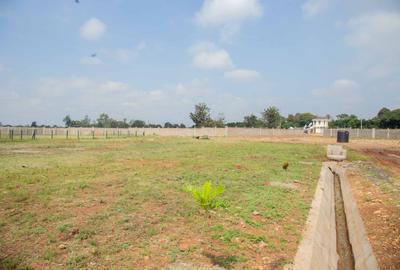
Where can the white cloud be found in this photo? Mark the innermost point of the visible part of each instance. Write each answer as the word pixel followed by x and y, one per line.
pixel 314 7
pixel 222 12
pixel 241 75
pixel 376 39
pixel 113 86
pixel 92 29
pixel 90 61
pixel 218 59
pixel 227 14
pixel 207 56
pixel 124 55
pixel 141 45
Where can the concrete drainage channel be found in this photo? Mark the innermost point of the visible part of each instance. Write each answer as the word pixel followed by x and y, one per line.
pixel 335 236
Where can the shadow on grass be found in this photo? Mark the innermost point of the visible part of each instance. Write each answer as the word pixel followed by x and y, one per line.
pixel 12 264
pixel 224 260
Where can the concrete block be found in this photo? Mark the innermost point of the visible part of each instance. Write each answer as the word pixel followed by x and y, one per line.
pixel 336 152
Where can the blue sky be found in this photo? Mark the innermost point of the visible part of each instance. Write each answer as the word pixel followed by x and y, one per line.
pixel 153 60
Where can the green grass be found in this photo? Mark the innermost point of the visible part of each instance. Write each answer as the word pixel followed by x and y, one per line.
pixel 125 198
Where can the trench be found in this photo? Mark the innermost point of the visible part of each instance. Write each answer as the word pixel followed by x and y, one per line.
pixel 343 245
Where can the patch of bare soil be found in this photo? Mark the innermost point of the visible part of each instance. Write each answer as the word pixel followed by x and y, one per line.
pixel 389 158
pixel 381 218
pixel 86 206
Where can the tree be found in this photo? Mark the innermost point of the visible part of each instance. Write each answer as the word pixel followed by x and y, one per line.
pixel 168 125
pixel 201 115
pixel 137 123
pixel 298 120
pixel 252 121
pixel 271 117
pixel 34 124
pixel 67 121
pixel 303 119
pixel 104 121
pixel 346 121
pixel 388 119
pixel 383 113
pixel 85 122
pixel 219 122
pixel 235 124
pixel 342 116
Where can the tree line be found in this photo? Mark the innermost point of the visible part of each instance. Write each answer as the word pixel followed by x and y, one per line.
pixel 268 118
pixel 105 121
pixel 271 118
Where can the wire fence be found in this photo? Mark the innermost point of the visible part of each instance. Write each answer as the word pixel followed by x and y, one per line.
pixel 15 133
pixel 21 133
pixel 389 134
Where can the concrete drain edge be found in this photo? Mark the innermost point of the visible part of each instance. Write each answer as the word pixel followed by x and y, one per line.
pixel 318 249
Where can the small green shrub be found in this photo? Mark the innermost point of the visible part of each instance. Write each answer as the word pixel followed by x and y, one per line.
pixel 207 195
pixel 64 227
pixel 84 234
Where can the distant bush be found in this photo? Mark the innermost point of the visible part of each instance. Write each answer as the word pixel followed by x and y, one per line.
pixel 206 195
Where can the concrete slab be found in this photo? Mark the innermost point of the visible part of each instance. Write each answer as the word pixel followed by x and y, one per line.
pixel 336 152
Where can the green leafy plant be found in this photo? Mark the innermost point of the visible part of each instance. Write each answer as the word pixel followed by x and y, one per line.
pixel 207 195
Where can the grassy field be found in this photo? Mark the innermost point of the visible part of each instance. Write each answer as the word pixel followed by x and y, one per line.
pixel 121 204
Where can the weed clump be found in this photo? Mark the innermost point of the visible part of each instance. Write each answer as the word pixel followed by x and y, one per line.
pixel 207 195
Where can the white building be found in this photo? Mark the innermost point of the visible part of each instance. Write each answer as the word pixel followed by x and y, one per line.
pixel 319 124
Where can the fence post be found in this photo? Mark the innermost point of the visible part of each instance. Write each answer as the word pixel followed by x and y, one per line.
pixel 67 134
pixel 358 133
pixel 373 133
pixel 12 134
pixel 226 131
pixel 21 134
pixel 34 134
pixel 78 133
pixel 387 134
